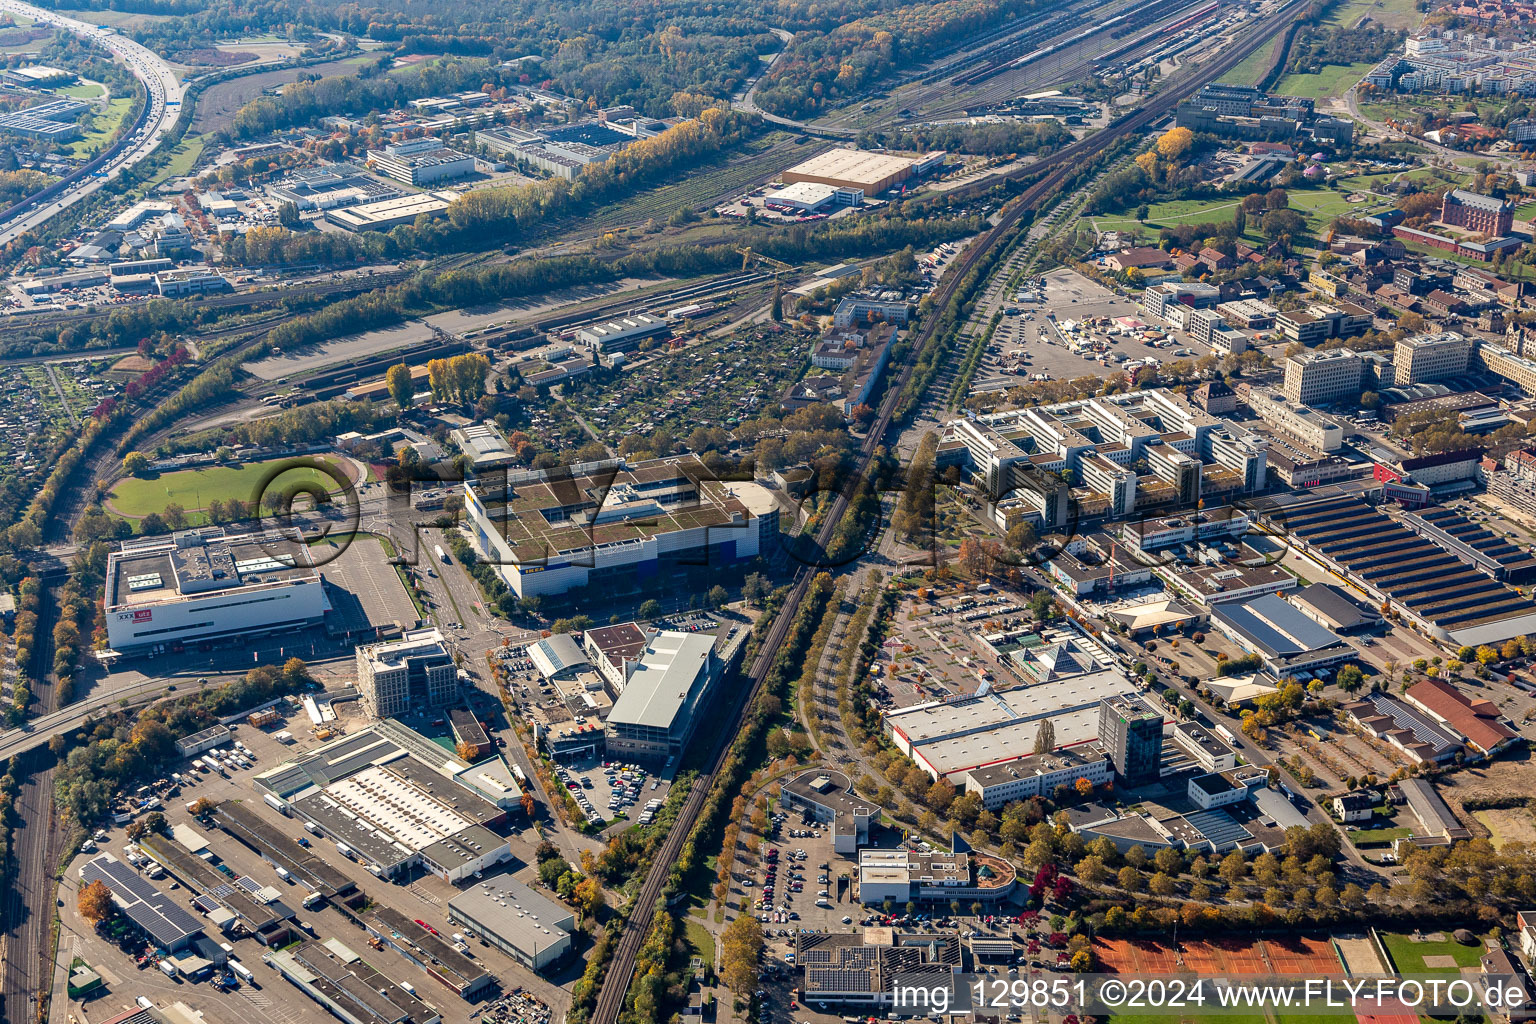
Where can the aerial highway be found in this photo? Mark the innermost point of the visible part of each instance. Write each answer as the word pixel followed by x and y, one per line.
pixel 165 95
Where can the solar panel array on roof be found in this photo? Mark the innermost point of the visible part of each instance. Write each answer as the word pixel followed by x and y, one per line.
pixel 155 912
pixel 1219 827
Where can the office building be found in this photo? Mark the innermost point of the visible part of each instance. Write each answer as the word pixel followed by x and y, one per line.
pixel 828 797
pixel 1312 378
pixel 665 688
pixel 420 162
pixel 202 584
pixel 1131 733
pixel 1203 746
pixel 854 310
pixel 171 235
pixel 529 927
pixel 1301 422
pixel 905 875
pixel 1430 357
pixel 1038 775
pixel 397 676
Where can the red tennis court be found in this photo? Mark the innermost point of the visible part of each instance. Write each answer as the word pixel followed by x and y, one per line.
pixel 1302 954
pixel 1389 1012
pixel 1135 956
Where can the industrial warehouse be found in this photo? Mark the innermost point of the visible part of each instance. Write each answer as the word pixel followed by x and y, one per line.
pixel 617 525
pixel 203 584
pixel 391 799
pixel 870 173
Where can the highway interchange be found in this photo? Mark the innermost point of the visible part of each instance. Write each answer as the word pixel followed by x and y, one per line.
pixel 165 96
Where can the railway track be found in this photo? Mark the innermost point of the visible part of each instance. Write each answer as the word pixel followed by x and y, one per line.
pixel 1058 166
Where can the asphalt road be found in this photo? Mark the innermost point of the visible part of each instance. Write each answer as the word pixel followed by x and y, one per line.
pixel 165 96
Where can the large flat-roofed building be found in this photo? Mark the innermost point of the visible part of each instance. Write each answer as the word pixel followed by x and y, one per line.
pixel 388 213
pixel 526 925
pixel 1274 629
pixel 949 738
pixel 658 707
pixel 811 196
pixel 205 584
pixel 420 161
pixel 483 445
pixel 618 525
pixel 874 173
pixel 1429 357
pixel 1428 584
pixel 157 915
pixel 53 121
pixel 861 970
pixel 415 671
pixel 1314 377
pixel 393 800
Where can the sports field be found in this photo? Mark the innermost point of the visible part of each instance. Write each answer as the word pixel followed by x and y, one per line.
pixel 193 489
pixel 1224 956
pixel 1441 956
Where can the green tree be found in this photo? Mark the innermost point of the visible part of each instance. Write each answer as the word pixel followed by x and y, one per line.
pixel 402 388
pixel 135 463
pixel 649 608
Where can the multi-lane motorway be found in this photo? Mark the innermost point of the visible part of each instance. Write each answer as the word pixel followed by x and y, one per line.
pixel 165 96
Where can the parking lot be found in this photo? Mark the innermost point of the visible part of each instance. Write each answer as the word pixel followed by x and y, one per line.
pixel 370 591
pixel 931 653
pixel 797 880
pixel 611 788
pixel 423 898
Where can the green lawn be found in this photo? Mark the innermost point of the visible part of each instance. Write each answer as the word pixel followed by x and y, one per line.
pixel 1377 836
pixel 85 89
pixel 1391 13
pixel 1250 69
pixel 1525 212
pixel 700 938
pixel 1333 80
pixel 104 125
pixel 1408 956
pixel 1319 206
pixel 194 488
